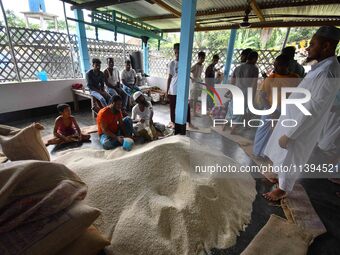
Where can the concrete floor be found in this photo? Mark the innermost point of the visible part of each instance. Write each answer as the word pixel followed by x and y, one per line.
pixel 320 191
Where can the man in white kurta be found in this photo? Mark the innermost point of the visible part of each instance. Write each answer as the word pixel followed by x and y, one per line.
pixel 331 130
pixel 292 147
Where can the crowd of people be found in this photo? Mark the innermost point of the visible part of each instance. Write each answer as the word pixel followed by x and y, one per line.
pixel 292 146
pixel 212 75
pixel 104 85
pixel 284 146
pixel 113 92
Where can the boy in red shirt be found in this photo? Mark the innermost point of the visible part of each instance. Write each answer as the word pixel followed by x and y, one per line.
pixel 66 128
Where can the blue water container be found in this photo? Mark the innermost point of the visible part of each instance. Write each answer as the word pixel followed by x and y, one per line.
pixel 42 75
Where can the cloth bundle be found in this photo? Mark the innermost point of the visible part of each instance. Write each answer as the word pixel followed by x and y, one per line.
pixel 41 210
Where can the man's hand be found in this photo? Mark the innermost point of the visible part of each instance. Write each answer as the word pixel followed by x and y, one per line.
pixel 283 141
pixel 120 139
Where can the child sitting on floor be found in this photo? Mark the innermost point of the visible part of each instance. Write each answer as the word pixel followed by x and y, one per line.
pixel 66 128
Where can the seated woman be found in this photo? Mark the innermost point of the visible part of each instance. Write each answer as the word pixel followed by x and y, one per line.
pixel 142 114
pixel 66 128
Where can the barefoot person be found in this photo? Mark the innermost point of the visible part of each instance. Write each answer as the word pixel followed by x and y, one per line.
pixel 291 147
pixel 66 128
pixel 142 114
pixel 112 128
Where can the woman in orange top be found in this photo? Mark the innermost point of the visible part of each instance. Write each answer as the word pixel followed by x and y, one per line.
pixel 279 79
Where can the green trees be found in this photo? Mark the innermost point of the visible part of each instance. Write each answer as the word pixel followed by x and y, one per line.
pixel 255 38
pixel 16 21
pixel 13 20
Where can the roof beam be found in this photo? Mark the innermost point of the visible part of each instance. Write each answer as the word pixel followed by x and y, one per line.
pixel 257 10
pixel 99 4
pixel 158 17
pixel 268 24
pixel 223 21
pixel 173 11
pixel 241 8
pixel 167 7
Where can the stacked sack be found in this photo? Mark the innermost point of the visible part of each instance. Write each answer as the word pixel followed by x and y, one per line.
pixel 41 203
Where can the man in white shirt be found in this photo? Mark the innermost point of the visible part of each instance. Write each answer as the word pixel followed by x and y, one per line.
pixel 129 75
pixel 291 147
pixel 196 71
pixel 330 134
pixel 244 76
pixel 112 81
pixel 129 79
pixel 171 91
pixel 142 114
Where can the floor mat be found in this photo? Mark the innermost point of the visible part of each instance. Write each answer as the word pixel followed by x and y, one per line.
pixel 84 130
pixel 298 208
pixel 89 129
pixel 279 237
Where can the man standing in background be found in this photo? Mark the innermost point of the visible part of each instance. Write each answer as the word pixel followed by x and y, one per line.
pixel 210 79
pixel 171 91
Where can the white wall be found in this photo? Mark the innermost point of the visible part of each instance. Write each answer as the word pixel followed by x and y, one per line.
pixel 34 94
pixel 28 95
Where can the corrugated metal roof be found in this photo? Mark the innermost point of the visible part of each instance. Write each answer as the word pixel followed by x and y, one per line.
pixel 219 4
pixel 177 4
pixel 225 13
pixel 325 10
pixel 139 9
